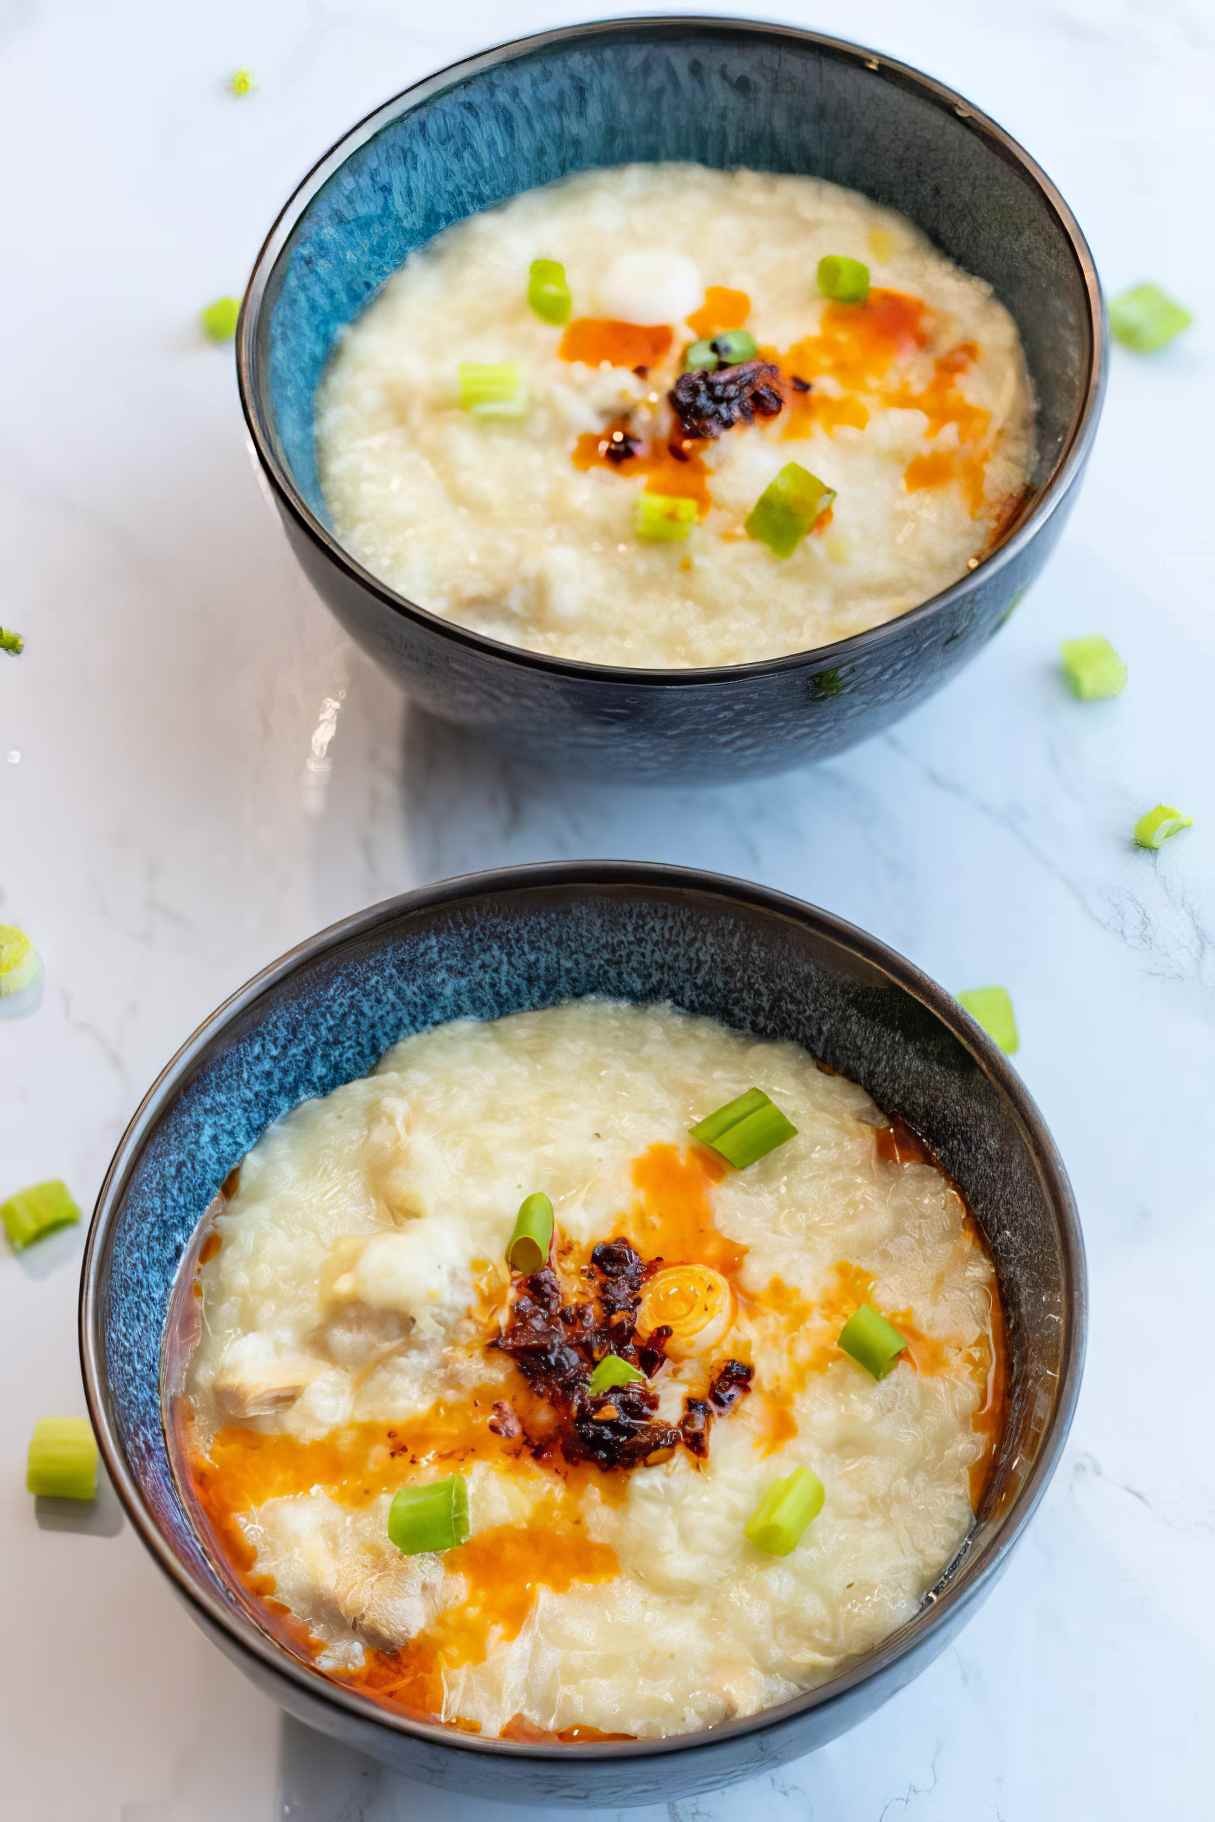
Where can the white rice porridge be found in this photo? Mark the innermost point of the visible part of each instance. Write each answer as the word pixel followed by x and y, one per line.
pixel 914 406
pixel 349 1296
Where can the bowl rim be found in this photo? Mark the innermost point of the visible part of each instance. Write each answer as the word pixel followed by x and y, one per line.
pixel 1028 522
pixel 967 1584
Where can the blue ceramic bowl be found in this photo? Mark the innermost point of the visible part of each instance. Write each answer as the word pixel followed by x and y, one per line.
pixel 497 943
pixel 725 93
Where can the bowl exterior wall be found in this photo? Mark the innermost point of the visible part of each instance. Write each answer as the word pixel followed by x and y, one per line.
pixel 712 732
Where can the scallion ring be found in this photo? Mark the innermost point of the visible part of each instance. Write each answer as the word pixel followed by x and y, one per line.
pixel 786 1510
pixel 527 1249
pixel 872 1342
pixel 429 1517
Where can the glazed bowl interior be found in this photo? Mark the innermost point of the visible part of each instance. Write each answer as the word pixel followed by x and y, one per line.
pixel 718 92
pixel 501 943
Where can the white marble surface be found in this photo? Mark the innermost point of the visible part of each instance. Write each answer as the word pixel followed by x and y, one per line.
pixel 196 769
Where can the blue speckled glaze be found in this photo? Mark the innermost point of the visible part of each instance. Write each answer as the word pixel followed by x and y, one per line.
pixel 723 93
pixel 500 944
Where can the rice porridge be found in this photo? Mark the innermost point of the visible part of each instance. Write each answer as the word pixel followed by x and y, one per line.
pixel 843 416
pixel 651 1464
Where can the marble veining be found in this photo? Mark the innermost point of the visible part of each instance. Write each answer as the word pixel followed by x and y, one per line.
pixel 180 800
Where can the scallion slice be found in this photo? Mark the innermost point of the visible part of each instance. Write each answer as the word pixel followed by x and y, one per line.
pixel 663 518
pixel 548 291
pixel 735 345
pixel 783 1515
pixel 701 356
pixel 429 1517
pixel 872 1341
pixel 844 280
pixel 787 508
pixel 1146 318
pixel 612 1371
pixel 19 963
pixel 992 1008
pixel 1093 668
pixel 220 318
pixel 714 1124
pixel 527 1249
pixel 745 1129
pixel 11 642
pixel 491 389
pixel 1155 826
pixel 30 1214
pixel 62 1459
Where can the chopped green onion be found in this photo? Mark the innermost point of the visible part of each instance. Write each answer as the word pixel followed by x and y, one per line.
pixel 872 1341
pixel 528 1247
pixel 701 356
pixel 844 280
pixel 19 963
pixel 492 389
pixel 663 518
pixel 241 82
pixel 714 1124
pixel 219 319
pixel 782 1516
pixel 787 508
pixel 62 1460
pixel 992 1008
pixel 430 1517
pixel 32 1213
pixel 548 291
pixel 745 1129
pixel 735 345
pixel 11 642
pixel 1155 826
pixel 1146 318
pixel 1093 668
pixel 727 348
pixel 612 1371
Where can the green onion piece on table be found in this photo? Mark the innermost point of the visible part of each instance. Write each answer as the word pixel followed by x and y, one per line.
pixel 1146 318
pixel 241 82
pixel 1155 826
pixel 62 1460
pixel 491 389
pixel 701 356
pixel 745 1129
pixel 843 280
pixel 872 1341
pixel 430 1517
pixel 734 345
pixel 612 1371
pixel 528 1247
pixel 11 642
pixel 19 962
pixel 787 508
pixel 548 291
pixel 1093 668
pixel 30 1214
pixel 219 319
pixel 992 1008
pixel 782 1516
pixel 663 518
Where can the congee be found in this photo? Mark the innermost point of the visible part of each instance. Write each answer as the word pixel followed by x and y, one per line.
pixel 597 1371
pixel 667 416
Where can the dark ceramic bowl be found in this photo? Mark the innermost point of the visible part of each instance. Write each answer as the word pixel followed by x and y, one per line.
pixel 720 92
pixel 497 943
